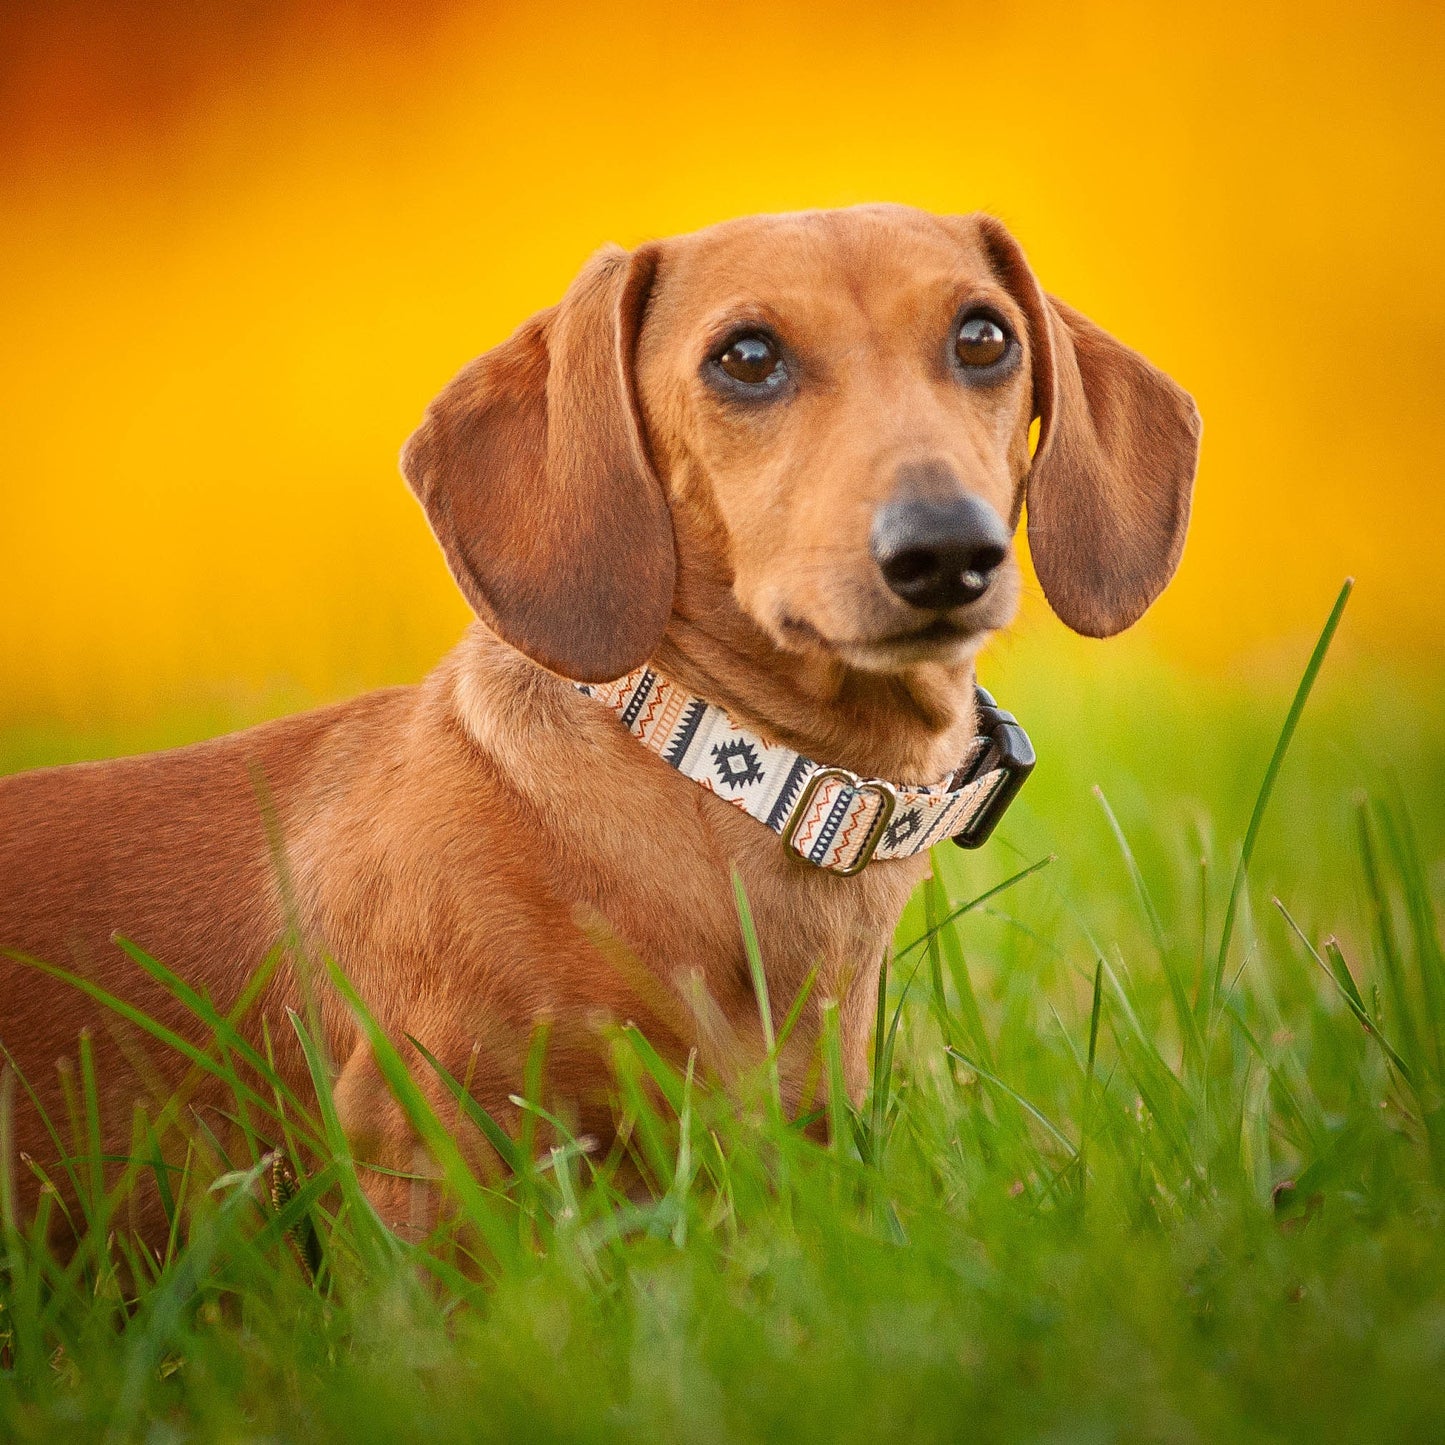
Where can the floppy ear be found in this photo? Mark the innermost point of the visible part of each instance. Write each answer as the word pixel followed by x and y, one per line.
pixel 1109 488
pixel 535 477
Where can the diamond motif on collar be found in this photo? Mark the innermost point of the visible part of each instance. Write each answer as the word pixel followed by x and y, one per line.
pixel 736 763
pixel 902 828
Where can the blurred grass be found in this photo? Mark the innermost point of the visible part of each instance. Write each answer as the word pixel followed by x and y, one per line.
pixel 1087 1199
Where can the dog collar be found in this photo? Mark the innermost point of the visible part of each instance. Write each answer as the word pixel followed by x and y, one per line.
pixel 829 817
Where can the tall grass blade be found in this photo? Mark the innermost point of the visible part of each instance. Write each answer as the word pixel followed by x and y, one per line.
pixel 456 1175
pixel 1399 833
pixel 1188 1024
pixel 1337 970
pixel 795 1010
pixel 164 1036
pixel 760 992
pixel 374 1242
pixel 1030 1109
pixel 938 998
pixel 840 1128
pixel 90 1096
pixel 9 1195
pixel 667 1079
pixel 493 1132
pixel 160 1170
pixel 530 1102
pixel 1141 888
pixel 1266 787
pixel 950 945
pixel 1392 963
pixel 224 1027
pixel 878 1099
pixel 684 1170
pixel 1340 969
pixel 990 893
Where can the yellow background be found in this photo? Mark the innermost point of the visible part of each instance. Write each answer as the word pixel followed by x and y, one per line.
pixel 238 254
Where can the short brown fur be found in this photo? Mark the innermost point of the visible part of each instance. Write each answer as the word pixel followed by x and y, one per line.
pixel 490 849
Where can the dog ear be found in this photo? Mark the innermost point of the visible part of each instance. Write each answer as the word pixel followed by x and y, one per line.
pixel 535 477
pixel 1109 488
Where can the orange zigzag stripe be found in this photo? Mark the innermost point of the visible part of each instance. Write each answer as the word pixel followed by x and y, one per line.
pixel 822 806
pixel 847 830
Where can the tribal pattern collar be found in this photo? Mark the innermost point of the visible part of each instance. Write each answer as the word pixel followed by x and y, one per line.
pixel 828 817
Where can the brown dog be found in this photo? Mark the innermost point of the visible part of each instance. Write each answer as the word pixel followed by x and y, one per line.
pixel 782 460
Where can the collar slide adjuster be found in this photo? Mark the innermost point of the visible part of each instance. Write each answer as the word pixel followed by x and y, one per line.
pixel 853 787
pixel 1011 753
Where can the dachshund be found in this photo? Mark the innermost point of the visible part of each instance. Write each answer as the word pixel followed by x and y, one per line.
pixel 735 517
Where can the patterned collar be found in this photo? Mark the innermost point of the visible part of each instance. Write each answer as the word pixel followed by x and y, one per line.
pixel 829 817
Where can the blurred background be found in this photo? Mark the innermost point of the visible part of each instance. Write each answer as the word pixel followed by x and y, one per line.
pixel 241 246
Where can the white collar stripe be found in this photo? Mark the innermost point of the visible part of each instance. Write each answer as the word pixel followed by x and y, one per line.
pixel 829 817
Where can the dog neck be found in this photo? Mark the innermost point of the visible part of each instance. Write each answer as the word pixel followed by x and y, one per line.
pixel 912 728
pixel 912 724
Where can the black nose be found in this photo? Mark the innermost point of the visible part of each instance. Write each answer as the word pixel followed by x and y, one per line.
pixel 939 554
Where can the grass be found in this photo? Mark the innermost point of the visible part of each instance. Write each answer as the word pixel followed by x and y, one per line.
pixel 1155 1150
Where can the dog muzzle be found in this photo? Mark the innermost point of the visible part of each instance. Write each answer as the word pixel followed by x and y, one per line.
pixel 828 817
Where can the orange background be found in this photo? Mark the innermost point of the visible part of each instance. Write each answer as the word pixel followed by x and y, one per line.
pixel 239 252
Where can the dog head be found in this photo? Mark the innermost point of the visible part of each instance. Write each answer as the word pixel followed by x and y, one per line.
pixel 828 413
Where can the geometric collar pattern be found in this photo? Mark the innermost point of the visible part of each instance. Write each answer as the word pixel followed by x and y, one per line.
pixel 827 817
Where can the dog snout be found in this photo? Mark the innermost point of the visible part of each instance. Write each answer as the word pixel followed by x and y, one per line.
pixel 939 554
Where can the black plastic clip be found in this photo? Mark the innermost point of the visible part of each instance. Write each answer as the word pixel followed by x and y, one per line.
pixel 1010 752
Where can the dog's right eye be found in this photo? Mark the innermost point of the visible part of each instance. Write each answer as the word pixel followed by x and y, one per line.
pixel 752 359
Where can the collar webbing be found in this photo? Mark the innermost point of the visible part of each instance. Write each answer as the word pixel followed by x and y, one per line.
pixel 829 817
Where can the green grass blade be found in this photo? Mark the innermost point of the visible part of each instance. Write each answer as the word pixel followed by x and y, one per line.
pixel 1184 1014
pixel 164 1036
pixel 492 1131
pixel 950 945
pixel 9 1196
pixel 1266 787
pixel 1030 1109
pixel 878 1096
pixel 885 1068
pixel 760 992
pixel 795 1010
pixel 1141 888
pixel 683 1170
pixel 938 998
pixel 955 914
pixel 456 1175
pixel 1392 962
pixel 1341 971
pixel 840 1128
pixel 667 1079
pixel 148 1339
pixel 1094 1010
pixel 1429 962
pixel 223 1027
pixel 90 1095
pixel 374 1242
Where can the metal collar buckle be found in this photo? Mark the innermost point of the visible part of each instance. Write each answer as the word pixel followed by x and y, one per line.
pixel 885 791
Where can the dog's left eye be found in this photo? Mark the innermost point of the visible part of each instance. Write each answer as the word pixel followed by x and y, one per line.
pixel 981 341
pixel 751 359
